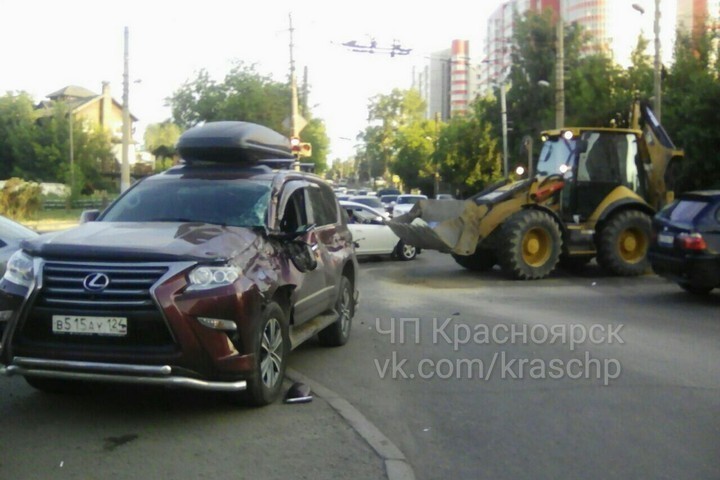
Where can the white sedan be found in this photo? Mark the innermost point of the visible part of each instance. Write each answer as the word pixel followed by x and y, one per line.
pixel 372 236
pixel 404 203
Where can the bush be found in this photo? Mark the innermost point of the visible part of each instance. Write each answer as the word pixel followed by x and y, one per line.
pixel 20 200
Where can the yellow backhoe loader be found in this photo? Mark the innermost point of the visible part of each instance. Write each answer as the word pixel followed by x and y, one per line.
pixel 593 194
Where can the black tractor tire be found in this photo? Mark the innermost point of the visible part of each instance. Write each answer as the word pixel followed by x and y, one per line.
pixel 482 259
pixel 271 350
pixel 531 245
pixel 623 243
pixel 337 334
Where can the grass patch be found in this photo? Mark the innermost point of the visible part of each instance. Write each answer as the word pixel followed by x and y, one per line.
pixel 60 214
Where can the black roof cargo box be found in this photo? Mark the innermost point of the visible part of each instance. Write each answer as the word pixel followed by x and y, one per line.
pixel 232 142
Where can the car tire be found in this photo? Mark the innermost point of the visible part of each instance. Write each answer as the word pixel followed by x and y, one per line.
pixel 337 334
pixel 531 245
pixel 480 260
pixel 695 289
pixel 623 244
pixel 405 252
pixel 271 349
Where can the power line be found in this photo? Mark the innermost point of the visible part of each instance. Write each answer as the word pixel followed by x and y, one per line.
pixel 396 49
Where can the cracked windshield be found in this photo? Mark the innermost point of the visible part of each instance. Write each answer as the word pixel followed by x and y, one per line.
pixel 360 240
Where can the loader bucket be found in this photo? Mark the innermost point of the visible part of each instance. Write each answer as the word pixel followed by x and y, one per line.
pixel 449 226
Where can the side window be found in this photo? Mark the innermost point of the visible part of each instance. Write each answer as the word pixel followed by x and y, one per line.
pixel 295 214
pixel 602 160
pixel 323 204
pixel 633 179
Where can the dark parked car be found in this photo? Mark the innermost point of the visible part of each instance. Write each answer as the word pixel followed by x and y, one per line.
pixel 11 234
pixel 686 241
pixel 204 276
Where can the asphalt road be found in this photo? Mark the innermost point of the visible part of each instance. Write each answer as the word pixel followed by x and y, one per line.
pixel 438 362
pixel 639 398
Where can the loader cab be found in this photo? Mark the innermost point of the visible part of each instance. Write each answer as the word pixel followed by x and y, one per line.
pixel 593 163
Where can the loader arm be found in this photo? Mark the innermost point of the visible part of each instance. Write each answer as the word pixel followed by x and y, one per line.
pixel 458 226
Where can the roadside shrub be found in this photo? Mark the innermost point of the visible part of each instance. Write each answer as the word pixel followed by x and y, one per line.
pixel 20 200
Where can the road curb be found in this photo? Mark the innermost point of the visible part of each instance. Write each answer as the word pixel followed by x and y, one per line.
pixel 396 465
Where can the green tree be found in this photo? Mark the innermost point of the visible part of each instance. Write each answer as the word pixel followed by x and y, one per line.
pixel 639 75
pixel 91 150
pixel 16 131
pixel 160 139
pixel 530 106
pixel 414 151
pixel 691 110
pixel 244 94
pixel 315 134
pixel 468 153
pixel 595 92
pixel 387 115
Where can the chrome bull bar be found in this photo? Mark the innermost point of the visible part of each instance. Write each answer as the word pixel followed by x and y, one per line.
pixel 160 375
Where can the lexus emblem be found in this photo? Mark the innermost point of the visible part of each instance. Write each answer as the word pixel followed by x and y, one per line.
pixel 96 282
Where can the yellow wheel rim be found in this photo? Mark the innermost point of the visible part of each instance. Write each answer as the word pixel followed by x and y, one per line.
pixel 536 247
pixel 632 245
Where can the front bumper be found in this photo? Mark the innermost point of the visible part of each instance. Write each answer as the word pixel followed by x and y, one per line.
pixel 166 343
pixel 161 375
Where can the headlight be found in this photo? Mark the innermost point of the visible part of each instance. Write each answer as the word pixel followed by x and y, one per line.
pixel 205 277
pixel 20 269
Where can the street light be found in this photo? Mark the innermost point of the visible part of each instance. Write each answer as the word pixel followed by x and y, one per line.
pixel 657 90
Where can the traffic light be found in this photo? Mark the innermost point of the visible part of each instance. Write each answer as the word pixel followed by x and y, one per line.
pixel 305 149
pixel 300 149
pixel 295 145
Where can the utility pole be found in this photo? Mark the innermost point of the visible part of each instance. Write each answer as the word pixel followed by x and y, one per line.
pixel 437 158
pixel 305 92
pixel 294 130
pixel 658 66
pixel 125 166
pixel 503 118
pixel 72 153
pixel 560 75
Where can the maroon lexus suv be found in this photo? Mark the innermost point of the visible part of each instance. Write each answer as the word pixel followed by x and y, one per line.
pixel 204 276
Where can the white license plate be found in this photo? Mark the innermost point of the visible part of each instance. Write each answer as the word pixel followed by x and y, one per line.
pixel 114 326
pixel 666 240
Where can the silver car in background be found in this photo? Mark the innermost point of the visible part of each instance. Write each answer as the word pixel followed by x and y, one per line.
pixel 11 234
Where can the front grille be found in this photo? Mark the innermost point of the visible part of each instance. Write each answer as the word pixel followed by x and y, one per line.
pixel 129 287
pixel 126 295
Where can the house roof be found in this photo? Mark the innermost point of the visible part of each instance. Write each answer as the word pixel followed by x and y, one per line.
pixel 72 91
pixel 74 97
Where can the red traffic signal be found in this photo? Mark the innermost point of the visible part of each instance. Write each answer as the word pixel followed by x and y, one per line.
pixel 301 149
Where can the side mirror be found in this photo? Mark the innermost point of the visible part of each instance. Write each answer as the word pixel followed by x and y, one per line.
pixel 89 215
pixel 302 255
